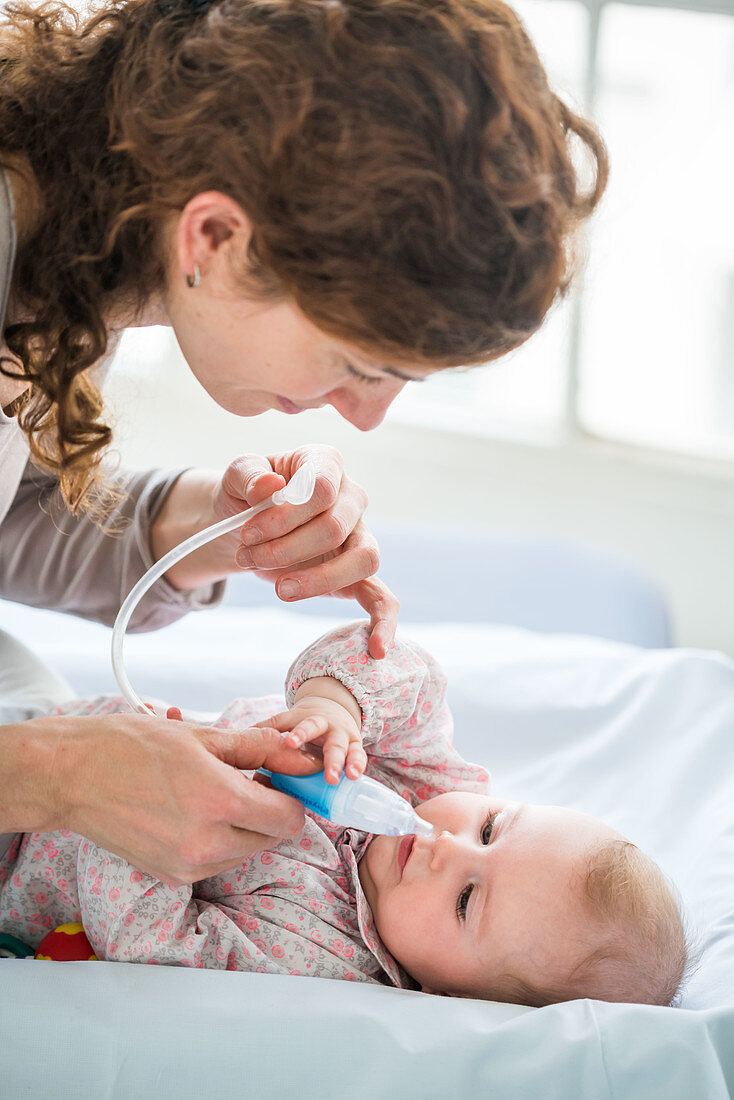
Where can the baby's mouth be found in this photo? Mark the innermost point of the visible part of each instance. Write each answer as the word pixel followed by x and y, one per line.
pixel 405 849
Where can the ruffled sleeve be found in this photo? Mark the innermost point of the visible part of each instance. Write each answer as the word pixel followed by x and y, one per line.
pixel 407 729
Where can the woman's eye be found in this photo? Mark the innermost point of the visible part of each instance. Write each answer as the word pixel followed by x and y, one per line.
pixel 363 377
pixel 486 833
pixel 463 901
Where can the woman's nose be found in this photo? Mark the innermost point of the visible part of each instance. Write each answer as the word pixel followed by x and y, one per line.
pixel 365 411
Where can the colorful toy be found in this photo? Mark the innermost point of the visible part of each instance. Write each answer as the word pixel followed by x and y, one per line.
pixel 67 943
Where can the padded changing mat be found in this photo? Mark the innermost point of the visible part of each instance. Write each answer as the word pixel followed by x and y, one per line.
pixel 641 738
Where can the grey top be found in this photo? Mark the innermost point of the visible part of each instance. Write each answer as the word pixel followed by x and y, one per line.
pixel 50 559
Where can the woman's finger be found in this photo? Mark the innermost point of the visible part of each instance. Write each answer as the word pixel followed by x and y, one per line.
pixel 298 535
pixel 358 559
pixel 330 487
pixel 249 479
pixel 383 607
pixel 233 844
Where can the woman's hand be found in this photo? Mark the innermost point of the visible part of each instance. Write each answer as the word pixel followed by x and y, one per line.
pixel 167 796
pixel 321 548
pixel 325 714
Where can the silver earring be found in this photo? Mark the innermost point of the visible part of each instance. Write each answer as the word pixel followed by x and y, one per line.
pixel 193 281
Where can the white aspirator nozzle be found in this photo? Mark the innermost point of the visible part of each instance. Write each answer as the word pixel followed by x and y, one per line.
pixel 369 805
pixel 298 491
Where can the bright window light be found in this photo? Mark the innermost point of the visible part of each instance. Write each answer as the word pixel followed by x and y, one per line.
pixel 657 359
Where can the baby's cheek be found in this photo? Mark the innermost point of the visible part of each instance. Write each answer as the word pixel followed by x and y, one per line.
pixel 377 857
pixel 442 808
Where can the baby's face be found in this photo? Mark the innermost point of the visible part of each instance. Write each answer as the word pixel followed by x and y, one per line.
pixel 496 892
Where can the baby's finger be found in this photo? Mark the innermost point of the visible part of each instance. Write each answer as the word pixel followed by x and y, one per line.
pixel 306 730
pixel 281 722
pixel 335 752
pixel 356 761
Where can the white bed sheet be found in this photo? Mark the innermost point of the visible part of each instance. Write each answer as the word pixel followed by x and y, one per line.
pixel 643 739
pixel 98 1031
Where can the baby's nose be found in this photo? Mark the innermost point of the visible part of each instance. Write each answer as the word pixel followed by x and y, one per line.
pixel 442 847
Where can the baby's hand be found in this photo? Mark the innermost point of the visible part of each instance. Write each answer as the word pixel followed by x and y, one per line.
pixel 325 713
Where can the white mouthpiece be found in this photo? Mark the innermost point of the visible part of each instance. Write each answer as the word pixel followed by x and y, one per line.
pixel 300 487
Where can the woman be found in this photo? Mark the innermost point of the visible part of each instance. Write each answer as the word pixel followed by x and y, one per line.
pixel 324 199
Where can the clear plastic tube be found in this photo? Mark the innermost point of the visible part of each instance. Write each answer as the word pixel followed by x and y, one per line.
pixel 298 491
pixel 362 803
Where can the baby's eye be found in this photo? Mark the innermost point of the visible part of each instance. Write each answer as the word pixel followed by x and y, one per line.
pixel 486 833
pixel 485 836
pixel 463 901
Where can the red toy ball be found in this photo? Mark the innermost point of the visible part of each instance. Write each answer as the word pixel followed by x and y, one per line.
pixel 67 943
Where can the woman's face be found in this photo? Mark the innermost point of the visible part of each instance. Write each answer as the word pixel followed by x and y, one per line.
pixel 253 356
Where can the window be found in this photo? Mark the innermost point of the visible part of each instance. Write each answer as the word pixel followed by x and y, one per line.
pixel 644 353
pixel 657 361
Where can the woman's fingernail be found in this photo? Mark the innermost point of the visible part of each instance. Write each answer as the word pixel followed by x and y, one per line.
pixel 251 535
pixel 288 589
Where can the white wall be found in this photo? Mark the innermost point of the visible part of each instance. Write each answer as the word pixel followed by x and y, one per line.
pixel 672 517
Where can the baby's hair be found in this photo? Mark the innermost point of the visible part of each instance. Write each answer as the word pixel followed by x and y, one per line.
pixel 644 954
pixel 647 954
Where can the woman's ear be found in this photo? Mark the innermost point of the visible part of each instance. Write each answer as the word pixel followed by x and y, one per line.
pixel 207 222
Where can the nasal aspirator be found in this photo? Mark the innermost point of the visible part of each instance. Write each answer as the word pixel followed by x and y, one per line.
pixel 299 490
pixel 362 803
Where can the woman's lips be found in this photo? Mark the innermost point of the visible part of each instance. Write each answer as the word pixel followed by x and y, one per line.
pixel 405 849
pixel 288 406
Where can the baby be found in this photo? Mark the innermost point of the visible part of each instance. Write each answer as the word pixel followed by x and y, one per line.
pixel 506 901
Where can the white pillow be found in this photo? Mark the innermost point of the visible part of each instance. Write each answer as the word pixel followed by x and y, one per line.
pixel 643 739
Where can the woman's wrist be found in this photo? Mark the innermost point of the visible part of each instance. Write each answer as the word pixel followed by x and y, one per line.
pixel 187 509
pixel 34 766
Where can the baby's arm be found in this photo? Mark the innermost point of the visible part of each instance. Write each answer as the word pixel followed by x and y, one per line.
pixel 325 713
pixel 406 725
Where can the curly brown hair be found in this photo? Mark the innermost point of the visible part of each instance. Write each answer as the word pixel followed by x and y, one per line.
pixel 409 175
